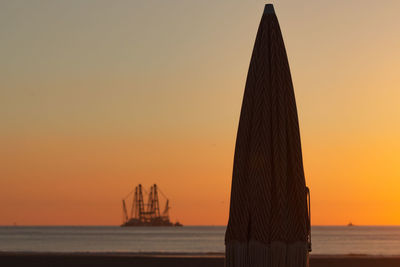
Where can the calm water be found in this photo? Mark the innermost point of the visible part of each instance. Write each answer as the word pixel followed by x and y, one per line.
pixel 374 240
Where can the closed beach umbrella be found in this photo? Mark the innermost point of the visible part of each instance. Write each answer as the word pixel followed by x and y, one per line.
pixel 269 215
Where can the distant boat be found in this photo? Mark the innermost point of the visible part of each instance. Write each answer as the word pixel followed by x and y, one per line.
pixel 350 224
pixel 146 214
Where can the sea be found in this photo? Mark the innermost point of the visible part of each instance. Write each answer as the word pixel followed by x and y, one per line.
pixel 327 240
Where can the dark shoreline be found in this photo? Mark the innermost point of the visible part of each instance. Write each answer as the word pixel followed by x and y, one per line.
pixel 154 260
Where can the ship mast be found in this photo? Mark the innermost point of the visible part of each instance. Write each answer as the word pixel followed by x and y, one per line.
pixel 156 207
pixel 134 208
pixel 140 203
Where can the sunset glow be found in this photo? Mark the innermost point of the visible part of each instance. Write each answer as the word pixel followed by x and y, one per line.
pixel 97 97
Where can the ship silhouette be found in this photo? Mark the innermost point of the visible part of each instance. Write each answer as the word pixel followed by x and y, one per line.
pixel 146 214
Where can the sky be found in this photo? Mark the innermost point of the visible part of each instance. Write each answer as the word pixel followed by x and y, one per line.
pixel 99 96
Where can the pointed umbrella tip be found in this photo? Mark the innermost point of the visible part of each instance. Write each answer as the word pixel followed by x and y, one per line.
pixel 269 9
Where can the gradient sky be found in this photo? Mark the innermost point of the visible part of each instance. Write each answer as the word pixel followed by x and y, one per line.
pixel 98 96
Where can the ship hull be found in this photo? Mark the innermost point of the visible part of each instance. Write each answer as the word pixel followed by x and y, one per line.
pixel 154 222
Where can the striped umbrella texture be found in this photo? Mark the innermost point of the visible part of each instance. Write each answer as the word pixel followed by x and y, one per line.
pixel 268 220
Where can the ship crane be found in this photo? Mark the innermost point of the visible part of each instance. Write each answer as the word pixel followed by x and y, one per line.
pixel 146 214
pixel 167 207
pixel 125 217
pixel 166 210
pixel 124 212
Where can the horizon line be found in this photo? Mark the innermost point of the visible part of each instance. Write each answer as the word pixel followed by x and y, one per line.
pixel 219 225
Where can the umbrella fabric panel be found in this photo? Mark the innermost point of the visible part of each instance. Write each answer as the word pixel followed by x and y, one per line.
pixel 256 254
pixel 268 194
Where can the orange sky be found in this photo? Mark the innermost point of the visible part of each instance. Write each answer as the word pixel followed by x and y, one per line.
pixel 96 97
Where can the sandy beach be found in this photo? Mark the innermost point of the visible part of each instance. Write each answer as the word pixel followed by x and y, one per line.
pixel 214 260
